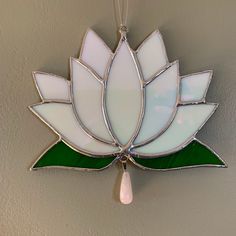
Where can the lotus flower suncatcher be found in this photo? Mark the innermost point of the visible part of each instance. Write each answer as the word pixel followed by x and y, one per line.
pixel 125 106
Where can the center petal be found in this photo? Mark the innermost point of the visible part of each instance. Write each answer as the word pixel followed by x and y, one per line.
pixel 124 94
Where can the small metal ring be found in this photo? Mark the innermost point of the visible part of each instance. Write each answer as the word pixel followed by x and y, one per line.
pixel 123 159
pixel 123 29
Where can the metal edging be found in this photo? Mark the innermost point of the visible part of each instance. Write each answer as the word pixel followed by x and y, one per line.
pixel 127 148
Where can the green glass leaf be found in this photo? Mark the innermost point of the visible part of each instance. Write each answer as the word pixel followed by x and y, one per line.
pixel 60 155
pixel 196 154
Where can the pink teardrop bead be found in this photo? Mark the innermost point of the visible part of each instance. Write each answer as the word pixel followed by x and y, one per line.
pixel 126 193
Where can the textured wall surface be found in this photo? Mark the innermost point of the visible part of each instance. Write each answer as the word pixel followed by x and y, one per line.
pixel 42 35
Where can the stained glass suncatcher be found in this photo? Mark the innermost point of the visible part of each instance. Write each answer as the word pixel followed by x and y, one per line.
pixel 125 106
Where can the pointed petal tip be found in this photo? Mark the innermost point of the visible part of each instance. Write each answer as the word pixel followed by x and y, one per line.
pixel 29 107
pixel 73 59
pixel 150 35
pixel 34 73
pixel 210 72
pixel 215 106
pixel 34 76
pixel 158 33
pixel 87 32
pixel 152 54
pixel 80 62
pixel 90 30
pixel 175 63
pixel 155 31
pixel 32 107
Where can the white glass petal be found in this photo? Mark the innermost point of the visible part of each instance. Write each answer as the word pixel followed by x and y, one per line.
pixel 52 87
pixel 194 87
pixel 161 101
pixel 188 120
pixel 87 98
pixel 152 55
pixel 123 95
pixel 95 52
pixel 61 119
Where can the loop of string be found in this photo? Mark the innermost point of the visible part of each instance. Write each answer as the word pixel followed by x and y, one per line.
pixel 121 13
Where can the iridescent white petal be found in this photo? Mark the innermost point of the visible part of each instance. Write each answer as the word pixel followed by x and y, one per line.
pixel 95 52
pixel 152 55
pixel 161 101
pixel 123 95
pixel 188 120
pixel 61 119
pixel 52 87
pixel 194 87
pixel 87 99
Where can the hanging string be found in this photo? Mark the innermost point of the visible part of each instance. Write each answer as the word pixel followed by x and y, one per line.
pixel 121 14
